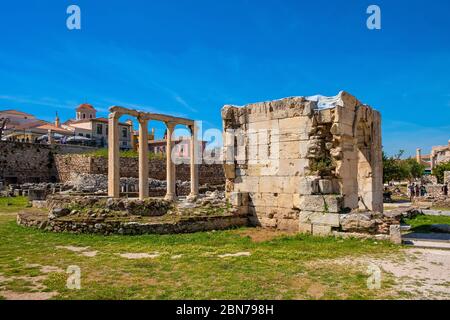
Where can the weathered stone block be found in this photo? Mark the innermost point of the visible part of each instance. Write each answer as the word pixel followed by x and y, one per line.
pixel 329 219
pixel 326 116
pixel 288 225
pixel 294 123
pixel 256 199
pixel 270 184
pixel 305 228
pixel 238 199
pixel 285 200
pixel 325 186
pixel 308 186
pixel 395 234
pixel 319 230
pixel 291 185
pixel 320 203
pixel 268 223
pixel 230 171
pixel 292 167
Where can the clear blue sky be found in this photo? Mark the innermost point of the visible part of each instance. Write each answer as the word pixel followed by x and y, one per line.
pixel 190 57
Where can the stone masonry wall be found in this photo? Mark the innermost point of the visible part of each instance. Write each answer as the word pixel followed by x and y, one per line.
pixel 447 177
pixel 129 167
pixel 30 162
pixel 294 166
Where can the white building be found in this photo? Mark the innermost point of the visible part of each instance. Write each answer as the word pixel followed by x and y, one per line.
pixel 86 124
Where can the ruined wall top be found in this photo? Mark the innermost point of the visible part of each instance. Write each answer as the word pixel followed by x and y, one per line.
pixel 234 116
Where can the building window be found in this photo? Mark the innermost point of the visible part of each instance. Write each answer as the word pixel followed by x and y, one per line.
pixel 99 129
pixel 80 134
pixel 84 116
pixel 124 143
pixel 88 135
pixel 90 116
pixel 124 132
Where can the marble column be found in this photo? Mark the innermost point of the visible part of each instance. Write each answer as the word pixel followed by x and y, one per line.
pixel 113 156
pixel 143 158
pixel 170 165
pixel 194 152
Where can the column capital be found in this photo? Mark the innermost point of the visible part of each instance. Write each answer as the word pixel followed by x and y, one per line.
pixel 142 119
pixel 170 124
pixel 115 115
pixel 143 116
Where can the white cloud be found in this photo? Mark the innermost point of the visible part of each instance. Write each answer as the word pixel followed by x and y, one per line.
pixel 49 102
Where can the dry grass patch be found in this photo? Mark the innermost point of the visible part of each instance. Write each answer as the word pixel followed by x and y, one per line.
pixel 262 235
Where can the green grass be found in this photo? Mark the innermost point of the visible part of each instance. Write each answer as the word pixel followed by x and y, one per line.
pixel 12 204
pixel 422 224
pixel 103 153
pixel 286 267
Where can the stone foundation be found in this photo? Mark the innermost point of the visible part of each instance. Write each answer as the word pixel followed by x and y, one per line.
pixel 40 220
pixel 104 215
pixel 104 205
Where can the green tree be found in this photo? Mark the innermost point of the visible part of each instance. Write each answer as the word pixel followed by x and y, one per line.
pixel 415 170
pixel 397 169
pixel 439 170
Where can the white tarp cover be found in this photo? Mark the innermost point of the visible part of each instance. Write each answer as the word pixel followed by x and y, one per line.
pixel 324 102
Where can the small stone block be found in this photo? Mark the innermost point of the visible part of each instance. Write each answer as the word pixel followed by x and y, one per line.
pixel 395 234
pixel 319 230
pixel 305 228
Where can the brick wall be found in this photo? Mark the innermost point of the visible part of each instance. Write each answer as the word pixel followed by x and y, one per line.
pixel 129 167
pixel 29 162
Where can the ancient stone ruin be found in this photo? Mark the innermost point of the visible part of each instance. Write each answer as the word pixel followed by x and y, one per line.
pixel 310 165
pixel 143 118
pixel 81 205
pixel 304 164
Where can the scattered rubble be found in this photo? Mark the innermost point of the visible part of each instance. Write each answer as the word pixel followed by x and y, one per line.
pixel 375 222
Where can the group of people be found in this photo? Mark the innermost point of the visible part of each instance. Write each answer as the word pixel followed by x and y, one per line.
pixel 416 190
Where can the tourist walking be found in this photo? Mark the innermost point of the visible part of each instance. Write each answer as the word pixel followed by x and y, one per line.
pixel 411 191
pixel 423 191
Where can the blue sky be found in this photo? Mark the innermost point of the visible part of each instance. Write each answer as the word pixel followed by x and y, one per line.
pixel 190 57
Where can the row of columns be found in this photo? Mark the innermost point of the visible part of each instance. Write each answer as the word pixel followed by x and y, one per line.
pixel 114 158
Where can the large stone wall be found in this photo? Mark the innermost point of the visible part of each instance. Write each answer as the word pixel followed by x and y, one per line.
pixel 129 167
pixel 29 162
pixel 296 166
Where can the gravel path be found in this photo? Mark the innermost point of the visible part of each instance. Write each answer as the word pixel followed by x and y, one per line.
pixel 422 274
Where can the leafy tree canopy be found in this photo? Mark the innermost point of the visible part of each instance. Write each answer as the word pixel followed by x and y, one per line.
pixel 439 171
pixel 397 169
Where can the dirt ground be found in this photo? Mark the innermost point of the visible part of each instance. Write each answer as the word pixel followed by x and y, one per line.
pixel 423 273
pixel 419 274
pixel 262 235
